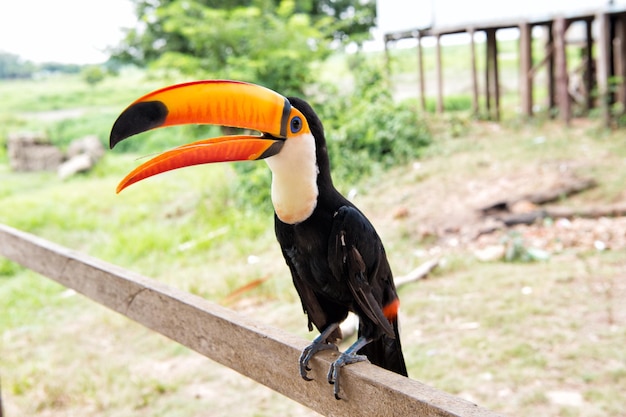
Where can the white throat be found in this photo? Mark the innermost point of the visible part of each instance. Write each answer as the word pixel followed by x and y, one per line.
pixel 294 179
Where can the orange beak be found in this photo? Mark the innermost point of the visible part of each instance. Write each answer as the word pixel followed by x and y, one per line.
pixel 225 103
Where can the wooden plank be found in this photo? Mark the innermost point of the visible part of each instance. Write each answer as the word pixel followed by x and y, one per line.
pixel 262 353
pixel 549 51
pixel 620 58
pixel 475 108
pixel 603 66
pixel 550 69
pixel 589 65
pixel 496 74
pixel 525 75
pixel 487 76
pixel 492 78
pixel 420 66
pixel 439 77
pixel 559 28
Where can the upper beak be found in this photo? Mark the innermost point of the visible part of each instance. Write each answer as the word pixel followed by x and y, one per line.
pixel 225 103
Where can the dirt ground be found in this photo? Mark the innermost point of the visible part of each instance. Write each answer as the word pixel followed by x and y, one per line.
pixel 448 210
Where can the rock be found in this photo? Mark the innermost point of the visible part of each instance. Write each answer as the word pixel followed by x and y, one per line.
pixel 567 398
pixel 400 213
pixel 79 163
pixel 89 145
pixel 523 206
pixel 490 253
pixel 83 154
pixel 32 152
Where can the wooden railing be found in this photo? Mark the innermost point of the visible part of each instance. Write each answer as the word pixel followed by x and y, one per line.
pixel 265 354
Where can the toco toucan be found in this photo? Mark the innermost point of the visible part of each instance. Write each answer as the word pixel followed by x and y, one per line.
pixel 336 258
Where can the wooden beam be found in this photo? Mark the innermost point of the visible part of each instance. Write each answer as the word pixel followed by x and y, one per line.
pixel 603 67
pixel 439 77
pixel 559 28
pixel 420 66
pixel 496 74
pixel 589 65
pixel 544 62
pixel 550 69
pixel 492 78
pixel 265 354
pixel 475 108
pixel 487 77
pixel 525 74
pixel 619 44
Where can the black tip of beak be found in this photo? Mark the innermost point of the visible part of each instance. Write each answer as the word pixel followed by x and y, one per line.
pixel 138 118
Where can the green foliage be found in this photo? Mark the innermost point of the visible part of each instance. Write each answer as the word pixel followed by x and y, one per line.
pixel 242 43
pixel 450 103
pixel 253 184
pixel 93 74
pixel 272 43
pixel 11 66
pixel 518 251
pixel 60 68
pixel 368 130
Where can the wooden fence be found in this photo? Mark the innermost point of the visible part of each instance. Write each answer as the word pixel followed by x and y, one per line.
pixel 264 354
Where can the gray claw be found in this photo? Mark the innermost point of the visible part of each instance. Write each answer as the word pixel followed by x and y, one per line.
pixel 308 353
pixel 333 373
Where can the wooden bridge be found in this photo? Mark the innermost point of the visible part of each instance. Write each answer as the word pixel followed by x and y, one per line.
pixel 603 72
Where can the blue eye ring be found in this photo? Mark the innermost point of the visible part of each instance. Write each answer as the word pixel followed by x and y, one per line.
pixel 295 124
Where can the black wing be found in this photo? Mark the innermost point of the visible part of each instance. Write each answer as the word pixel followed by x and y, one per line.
pixel 357 257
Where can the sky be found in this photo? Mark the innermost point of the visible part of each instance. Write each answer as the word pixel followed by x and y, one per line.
pixel 66 31
pixel 79 31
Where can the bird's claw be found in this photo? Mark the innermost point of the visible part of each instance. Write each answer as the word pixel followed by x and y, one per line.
pixel 343 360
pixel 309 352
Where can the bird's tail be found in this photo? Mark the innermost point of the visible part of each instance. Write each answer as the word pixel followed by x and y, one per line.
pixel 386 352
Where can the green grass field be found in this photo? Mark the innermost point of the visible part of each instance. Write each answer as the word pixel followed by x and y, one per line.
pixel 526 339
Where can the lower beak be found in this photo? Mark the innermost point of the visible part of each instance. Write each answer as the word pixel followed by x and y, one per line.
pixel 226 103
pixel 220 149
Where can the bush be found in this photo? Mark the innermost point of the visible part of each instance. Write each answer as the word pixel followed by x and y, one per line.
pixel 368 130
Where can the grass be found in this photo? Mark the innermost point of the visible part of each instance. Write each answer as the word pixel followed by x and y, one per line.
pixel 505 335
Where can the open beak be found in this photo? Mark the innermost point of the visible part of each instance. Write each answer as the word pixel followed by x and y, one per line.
pixel 225 103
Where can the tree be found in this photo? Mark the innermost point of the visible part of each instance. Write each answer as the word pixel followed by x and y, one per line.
pixel 352 20
pixel 92 75
pixel 270 42
pixel 12 66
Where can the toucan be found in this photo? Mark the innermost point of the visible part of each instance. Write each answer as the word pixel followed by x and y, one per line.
pixel 336 259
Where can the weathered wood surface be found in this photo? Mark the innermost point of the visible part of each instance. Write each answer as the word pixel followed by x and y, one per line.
pixel 262 353
pixel 609 65
pixel 439 65
pixel 567 187
pixel 603 66
pixel 475 109
pixel 526 63
pixel 559 28
pixel 422 80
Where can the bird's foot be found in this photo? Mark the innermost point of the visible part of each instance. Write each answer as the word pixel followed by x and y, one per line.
pixel 343 360
pixel 319 343
pixel 309 352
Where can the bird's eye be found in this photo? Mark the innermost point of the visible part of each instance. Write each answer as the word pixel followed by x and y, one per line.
pixel 296 124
